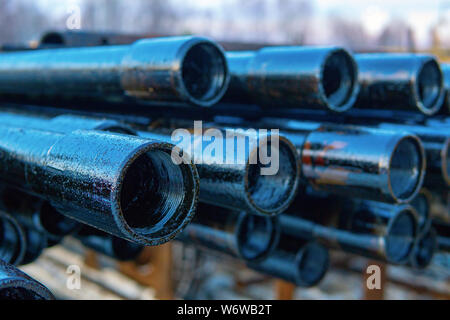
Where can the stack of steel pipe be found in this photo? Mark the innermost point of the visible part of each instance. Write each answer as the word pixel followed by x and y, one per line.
pixel 283 172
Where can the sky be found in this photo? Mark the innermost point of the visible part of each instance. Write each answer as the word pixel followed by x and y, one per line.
pixel 421 15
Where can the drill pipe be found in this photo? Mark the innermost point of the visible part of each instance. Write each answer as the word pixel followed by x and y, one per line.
pixel 109 245
pixel 298 261
pixel 16 285
pixel 173 70
pixel 35 213
pixel 362 162
pixel 436 143
pixel 238 234
pixel 372 229
pixel 296 77
pixel 121 184
pixel 12 240
pixel 241 184
pixel 400 81
pixel 63 123
pixel 424 249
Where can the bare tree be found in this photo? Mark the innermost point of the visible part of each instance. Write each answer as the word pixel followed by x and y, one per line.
pixel 350 34
pixel 293 19
pixel 397 34
pixel 156 16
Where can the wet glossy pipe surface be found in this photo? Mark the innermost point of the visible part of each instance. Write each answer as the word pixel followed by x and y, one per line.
pixel 296 77
pixel 239 183
pixel 168 70
pixel 400 81
pixel 16 285
pixel 124 185
pixel 355 160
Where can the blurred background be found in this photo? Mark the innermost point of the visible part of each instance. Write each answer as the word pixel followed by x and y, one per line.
pixel 410 25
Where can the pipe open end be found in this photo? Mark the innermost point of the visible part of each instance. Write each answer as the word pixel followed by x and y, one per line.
pixel 257 236
pixel 272 187
pixel 429 88
pixel 424 249
pixel 406 169
pixel 339 80
pixel 125 250
pixel 400 236
pixel 205 73
pixel 157 196
pixel 55 223
pixel 312 264
pixel 12 241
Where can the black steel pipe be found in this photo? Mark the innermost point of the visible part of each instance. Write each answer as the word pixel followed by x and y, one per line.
pixel 436 142
pixel 16 285
pixel 376 230
pixel 400 81
pixel 170 70
pixel 298 261
pixel 12 240
pixel 424 249
pixel 63 123
pixel 238 234
pixel 240 183
pixel 109 245
pixel 295 77
pixel 359 161
pixel 35 213
pixel 121 184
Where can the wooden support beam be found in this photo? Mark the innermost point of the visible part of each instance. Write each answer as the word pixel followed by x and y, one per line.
pixel 284 290
pixel 155 273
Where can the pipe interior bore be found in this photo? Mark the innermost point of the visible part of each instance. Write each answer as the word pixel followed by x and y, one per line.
pixel 400 236
pixel 56 223
pixel 272 193
pixel 204 72
pixel 256 236
pixel 154 201
pixel 125 250
pixel 312 264
pixel 405 171
pixel 339 78
pixel 429 86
